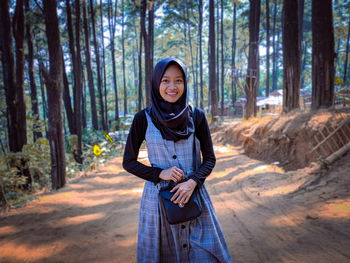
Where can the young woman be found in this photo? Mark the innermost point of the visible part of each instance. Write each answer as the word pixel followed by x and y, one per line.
pixel 168 128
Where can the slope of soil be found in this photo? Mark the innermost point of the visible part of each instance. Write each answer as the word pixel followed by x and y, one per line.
pixel 287 139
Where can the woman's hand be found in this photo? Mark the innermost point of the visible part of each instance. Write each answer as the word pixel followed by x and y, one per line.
pixel 183 192
pixel 173 173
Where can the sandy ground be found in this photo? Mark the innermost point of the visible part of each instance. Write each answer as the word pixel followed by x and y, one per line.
pixel 267 215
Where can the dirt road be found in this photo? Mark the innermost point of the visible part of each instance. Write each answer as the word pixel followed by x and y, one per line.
pixel 265 216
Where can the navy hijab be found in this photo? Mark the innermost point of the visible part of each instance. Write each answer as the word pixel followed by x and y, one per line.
pixel 173 120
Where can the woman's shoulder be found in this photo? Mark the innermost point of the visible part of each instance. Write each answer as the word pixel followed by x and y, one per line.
pixel 200 115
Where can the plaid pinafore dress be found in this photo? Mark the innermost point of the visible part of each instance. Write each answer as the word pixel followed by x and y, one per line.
pixel 200 240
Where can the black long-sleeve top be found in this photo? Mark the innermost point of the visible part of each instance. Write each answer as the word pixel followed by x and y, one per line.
pixel 137 135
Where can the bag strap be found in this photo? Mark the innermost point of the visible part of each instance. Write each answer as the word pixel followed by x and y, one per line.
pixel 194 141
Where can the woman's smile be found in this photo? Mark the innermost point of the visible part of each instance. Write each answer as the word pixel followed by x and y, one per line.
pixel 172 84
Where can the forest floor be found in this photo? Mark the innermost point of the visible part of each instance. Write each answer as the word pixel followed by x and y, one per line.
pixel 269 212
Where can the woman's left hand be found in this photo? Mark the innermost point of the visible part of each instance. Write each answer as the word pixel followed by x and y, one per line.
pixel 183 191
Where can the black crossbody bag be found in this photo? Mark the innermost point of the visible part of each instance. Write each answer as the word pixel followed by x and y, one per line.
pixel 179 213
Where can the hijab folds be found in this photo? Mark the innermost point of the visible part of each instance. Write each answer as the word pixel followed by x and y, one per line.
pixel 172 119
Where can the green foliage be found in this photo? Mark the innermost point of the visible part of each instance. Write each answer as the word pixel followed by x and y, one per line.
pixel 36 158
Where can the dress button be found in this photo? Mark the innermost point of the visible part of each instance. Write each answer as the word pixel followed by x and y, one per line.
pixel 174 156
pixel 183 226
pixel 184 245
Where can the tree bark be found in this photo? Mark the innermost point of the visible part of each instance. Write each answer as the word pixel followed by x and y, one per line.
pixel 301 4
pixel 233 55
pixel 54 85
pixel 267 90
pixel 253 59
pixel 33 92
pixel 98 64
pixel 322 54
pixel 104 66
pixel 123 65
pixel 140 97
pixel 147 53
pixel 200 10
pixel 112 14
pixel 291 56
pixel 67 100
pixel 212 63
pixel 78 87
pixel 274 47
pixel 89 70
pixel 222 58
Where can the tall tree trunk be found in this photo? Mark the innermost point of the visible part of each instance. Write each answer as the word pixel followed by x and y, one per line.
pixel 123 65
pixel 212 63
pixel 346 54
pixel 89 70
pixel 222 58
pixel 67 100
pixel 147 52
pixel 301 4
pixel 104 66
pixel 98 64
pixel 151 8
pixel 112 15
pixel 83 98
pixel 200 10
pixel 77 88
pixel 267 90
pixel 253 59
pixel 322 54
pixel 217 41
pixel 274 47
pixel 54 86
pixel 140 97
pixel 195 92
pixel 33 92
pixel 233 55
pixel 291 56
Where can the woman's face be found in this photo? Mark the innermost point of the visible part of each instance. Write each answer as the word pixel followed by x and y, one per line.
pixel 172 84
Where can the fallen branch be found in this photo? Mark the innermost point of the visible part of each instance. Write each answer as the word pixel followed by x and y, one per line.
pixel 336 155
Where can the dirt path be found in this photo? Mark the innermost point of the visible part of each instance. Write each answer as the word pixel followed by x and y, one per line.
pixel 264 218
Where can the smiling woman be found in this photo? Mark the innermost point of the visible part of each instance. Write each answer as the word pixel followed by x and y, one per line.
pixel 171 131
pixel 171 86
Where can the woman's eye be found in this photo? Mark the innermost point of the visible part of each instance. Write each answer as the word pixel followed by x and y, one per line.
pixel 165 81
pixel 179 80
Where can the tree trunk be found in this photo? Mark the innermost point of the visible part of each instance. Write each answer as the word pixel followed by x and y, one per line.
pixel 147 53
pixel 233 55
pixel 98 64
pixel 253 59
pixel 217 41
pixel 346 54
pixel 33 93
pixel 83 98
pixel 200 10
pixel 89 70
pixel 123 65
pixel 54 86
pixel 274 47
pixel 212 63
pixel 67 100
pixel 267 90
pixel 150 37
pixel 322 54
pixel 291 56
pixel 140 97
pixel 222 59
pixel 104 66
pixel 112 14
pixel 77 88
pixel 301 4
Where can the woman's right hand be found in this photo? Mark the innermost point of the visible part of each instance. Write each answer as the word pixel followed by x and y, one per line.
pixel 173 173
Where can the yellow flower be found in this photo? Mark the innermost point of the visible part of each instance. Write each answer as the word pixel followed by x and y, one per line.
pixel 338 81
pixel 97 150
